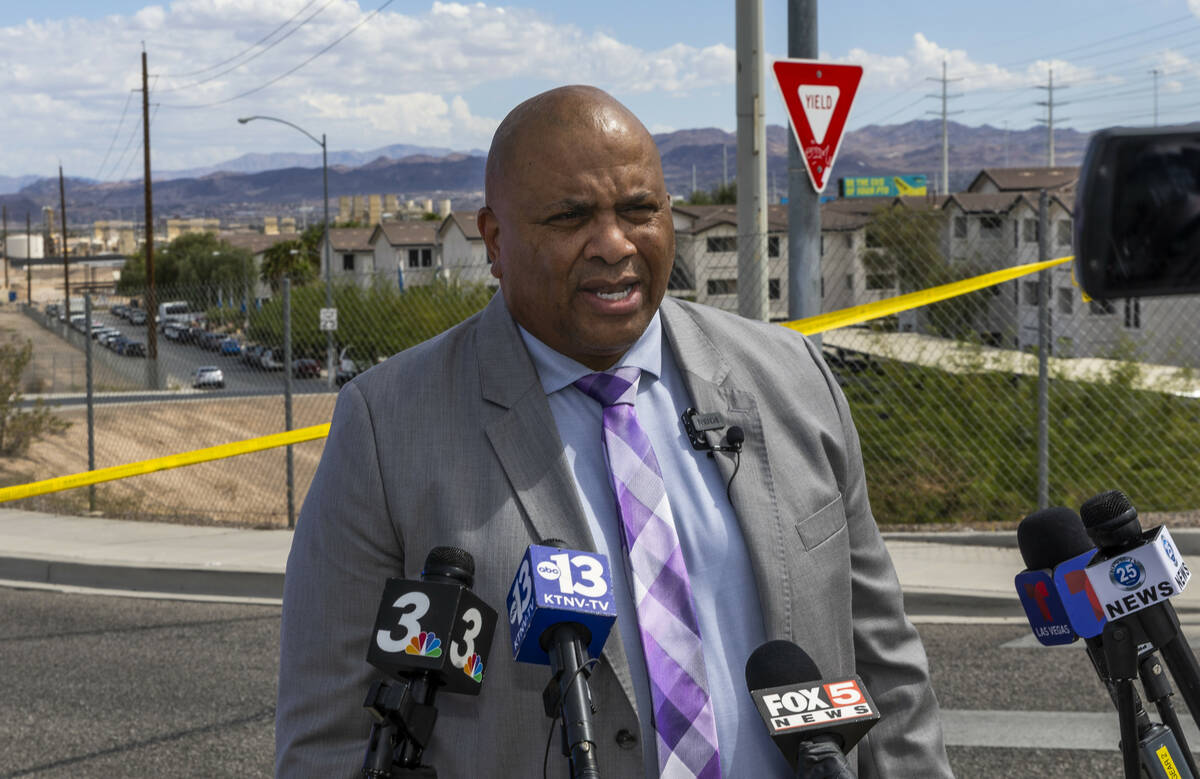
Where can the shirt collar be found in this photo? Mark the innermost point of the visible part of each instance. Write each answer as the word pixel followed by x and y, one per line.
pixel 556 370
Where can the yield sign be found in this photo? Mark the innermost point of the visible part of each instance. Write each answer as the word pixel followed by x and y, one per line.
pixel 818 97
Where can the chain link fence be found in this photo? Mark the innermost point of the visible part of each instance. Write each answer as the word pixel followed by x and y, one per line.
pixel 946 397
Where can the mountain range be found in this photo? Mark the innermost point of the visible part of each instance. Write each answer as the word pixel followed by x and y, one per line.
pixel 283 184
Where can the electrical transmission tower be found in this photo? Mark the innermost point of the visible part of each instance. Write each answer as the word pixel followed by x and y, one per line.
pixel 1049 120
pixel 945 130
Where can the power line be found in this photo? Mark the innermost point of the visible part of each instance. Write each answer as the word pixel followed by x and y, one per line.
pixel 287 73
pixel 251 47
pixel 133 133
pixel 116 134
pixel 1122 37
pixel 252 57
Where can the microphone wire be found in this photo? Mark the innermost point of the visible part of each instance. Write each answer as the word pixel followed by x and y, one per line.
pixel 593 662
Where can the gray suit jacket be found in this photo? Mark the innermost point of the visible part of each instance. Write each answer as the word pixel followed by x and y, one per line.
pixel 453 443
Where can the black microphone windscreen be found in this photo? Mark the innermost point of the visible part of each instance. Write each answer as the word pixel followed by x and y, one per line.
pixel 452 563
pixel 1050 536
pixel 778 663
pixel 1111 519
pixel 736 436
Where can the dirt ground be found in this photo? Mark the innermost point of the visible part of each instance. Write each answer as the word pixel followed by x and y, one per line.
pixel 245 490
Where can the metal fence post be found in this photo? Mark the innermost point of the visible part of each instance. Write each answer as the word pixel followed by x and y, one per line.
pixel 1044 346
pixel 91 410
pixel 287 397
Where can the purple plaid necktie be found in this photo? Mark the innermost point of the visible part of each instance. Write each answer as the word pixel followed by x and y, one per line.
pixel 683 713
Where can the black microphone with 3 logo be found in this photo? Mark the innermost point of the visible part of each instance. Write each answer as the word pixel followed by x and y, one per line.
pixel 430 635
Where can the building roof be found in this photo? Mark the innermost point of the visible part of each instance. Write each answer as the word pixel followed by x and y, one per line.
pixel 351 239
pixel 707 217
pixel 256 243
pixel 465 220
pixel 988 203
pixel 1026 179
pixel 406 233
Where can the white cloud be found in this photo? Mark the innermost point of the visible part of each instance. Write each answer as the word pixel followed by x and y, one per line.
pixel 924 61
pixel 404 76
pixel 1194 7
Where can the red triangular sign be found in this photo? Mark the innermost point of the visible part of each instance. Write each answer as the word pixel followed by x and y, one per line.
pixel 818 96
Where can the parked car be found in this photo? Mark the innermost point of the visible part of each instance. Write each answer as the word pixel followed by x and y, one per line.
pixel 136 316
pixel 134 349
pixel 209 376
pixel 347 368
pixel 117 343
pixel 173 331
pixel 306 368
pixel 230 346
pixel 251 354
pixel 271 359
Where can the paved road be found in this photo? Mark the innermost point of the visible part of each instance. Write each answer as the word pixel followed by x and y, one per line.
pixel 178 361
pixel 112 687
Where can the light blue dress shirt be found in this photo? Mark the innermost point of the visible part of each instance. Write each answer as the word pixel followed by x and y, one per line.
pixel 722 580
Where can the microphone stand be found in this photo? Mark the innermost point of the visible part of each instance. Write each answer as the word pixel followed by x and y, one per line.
pixel 1143 743
pixel 404 718
pixel 1120 654
pixel 568 694
pixel 1158 692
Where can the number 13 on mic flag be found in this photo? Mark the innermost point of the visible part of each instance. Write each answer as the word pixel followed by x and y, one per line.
pixel 818 96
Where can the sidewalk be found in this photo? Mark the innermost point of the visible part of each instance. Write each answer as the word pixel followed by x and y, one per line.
pixel 150 558
pixel 955 571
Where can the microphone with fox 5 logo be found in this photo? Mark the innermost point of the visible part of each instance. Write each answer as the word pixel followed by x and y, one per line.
pixel 430 635
pixel 814 721
pixel 560 611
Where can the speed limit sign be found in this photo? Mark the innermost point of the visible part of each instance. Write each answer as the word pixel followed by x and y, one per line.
pixel 329 319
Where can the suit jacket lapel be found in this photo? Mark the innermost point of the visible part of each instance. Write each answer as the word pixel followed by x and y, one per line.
pixel 525 438
pixel 713 386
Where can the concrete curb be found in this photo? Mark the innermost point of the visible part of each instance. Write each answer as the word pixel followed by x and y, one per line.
pixel 1186 538
pixel 162 581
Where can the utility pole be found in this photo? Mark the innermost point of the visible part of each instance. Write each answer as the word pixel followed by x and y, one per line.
pixel 724 166
pixel 4 243
pixel 151 298
pixel 1155 73
pixel 693 181
pixel 945 126
pixel 804 208
pixel 753 266
pixel 62 201
pixel 28 260
pixel 1049 120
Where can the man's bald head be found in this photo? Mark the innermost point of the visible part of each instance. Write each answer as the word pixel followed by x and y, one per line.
pixel 570 112
pixel 578 223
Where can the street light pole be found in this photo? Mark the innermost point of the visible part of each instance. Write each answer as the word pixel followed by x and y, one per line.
pixel 329 346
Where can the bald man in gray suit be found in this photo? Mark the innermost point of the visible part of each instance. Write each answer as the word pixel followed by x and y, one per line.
pixel 478 439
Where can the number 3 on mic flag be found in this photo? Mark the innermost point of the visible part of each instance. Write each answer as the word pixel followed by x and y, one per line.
pixel 431 626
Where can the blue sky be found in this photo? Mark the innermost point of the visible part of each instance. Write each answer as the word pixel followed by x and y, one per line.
pixel 443 74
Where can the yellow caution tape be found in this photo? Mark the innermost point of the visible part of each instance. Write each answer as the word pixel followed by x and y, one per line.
pixel 163 463
pixel 857 314
pixel 809 326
